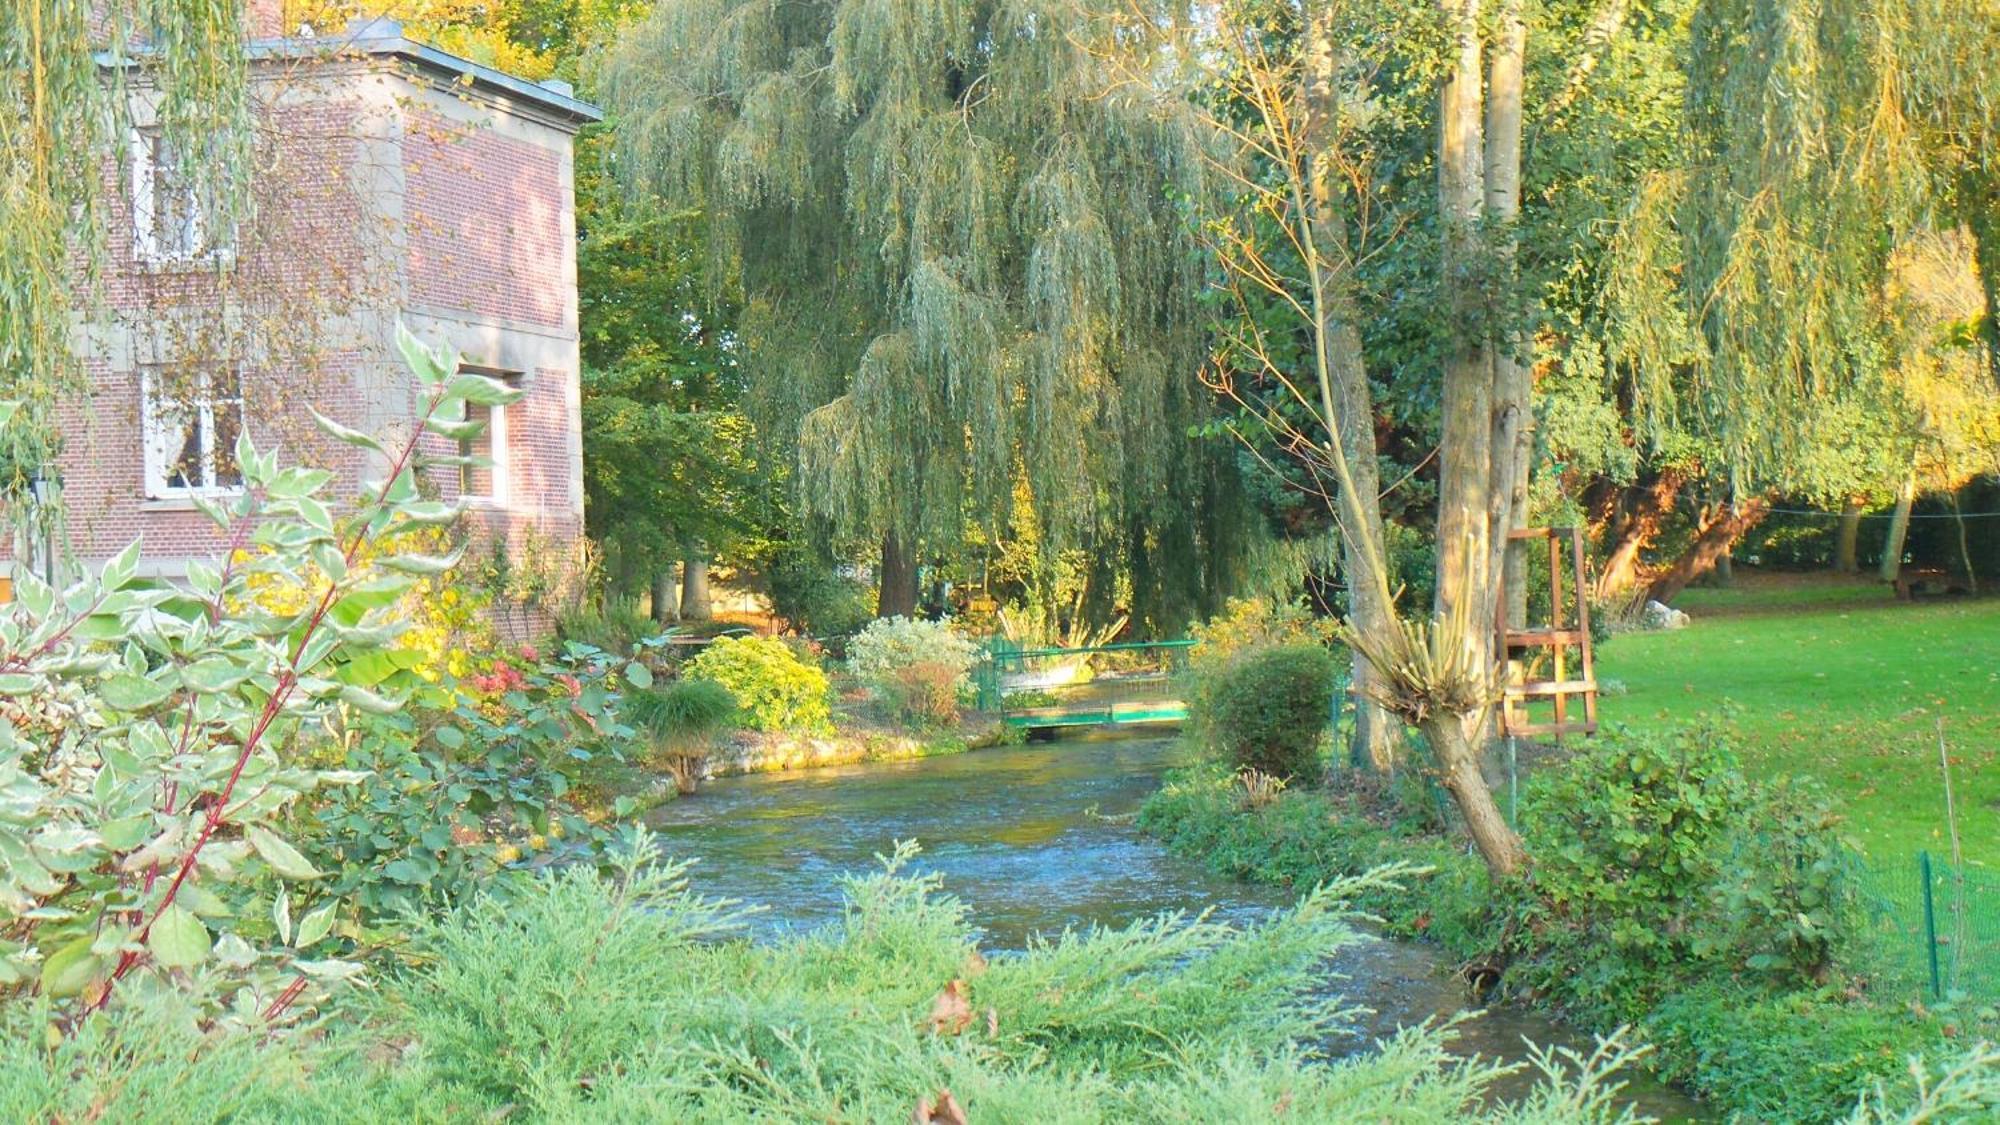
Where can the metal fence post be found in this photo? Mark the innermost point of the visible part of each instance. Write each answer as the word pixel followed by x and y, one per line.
pixel 1513 784
pixel 1930 925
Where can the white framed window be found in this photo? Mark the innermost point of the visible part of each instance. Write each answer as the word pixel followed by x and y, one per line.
pixel 170 218
pixel 190 425
pixel 485 484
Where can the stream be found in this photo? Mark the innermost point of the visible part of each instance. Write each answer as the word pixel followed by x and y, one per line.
pixel 1038 838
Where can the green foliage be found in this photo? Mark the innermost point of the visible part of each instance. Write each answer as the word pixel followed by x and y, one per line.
pixel 1267 709
pixel 463 782
pixel 811 594
pixel 153 744
pixel 1657 862
pixel 1800 1056
pixel 1247 623
pixel 684 712
pixel 920 669
pixel 612 623
pixel 682 720
pixel 775 690
pixel 947 287
pixel 1303 838
pixel 627 998
pixel 1630 836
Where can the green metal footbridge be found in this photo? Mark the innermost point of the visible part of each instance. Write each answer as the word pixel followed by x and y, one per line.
pixel 1102 685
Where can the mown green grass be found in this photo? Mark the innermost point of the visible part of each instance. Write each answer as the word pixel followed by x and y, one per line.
pixel 1841 683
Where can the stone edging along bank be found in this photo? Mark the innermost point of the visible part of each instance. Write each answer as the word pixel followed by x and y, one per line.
pixel 771 752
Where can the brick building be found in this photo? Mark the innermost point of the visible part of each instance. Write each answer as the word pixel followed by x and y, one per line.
pixel 389 181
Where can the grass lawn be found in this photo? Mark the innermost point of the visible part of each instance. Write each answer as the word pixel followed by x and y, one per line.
pixel 1839 682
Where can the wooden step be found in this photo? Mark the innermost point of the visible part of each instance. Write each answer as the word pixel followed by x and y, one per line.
pixel 1551 687
pixel 1543 637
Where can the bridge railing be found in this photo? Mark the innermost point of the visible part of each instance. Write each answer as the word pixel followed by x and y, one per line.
pixel 1135 681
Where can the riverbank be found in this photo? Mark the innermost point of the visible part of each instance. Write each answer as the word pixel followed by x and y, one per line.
pixel 1040 839
pixel 1770 1054
pixel 750 751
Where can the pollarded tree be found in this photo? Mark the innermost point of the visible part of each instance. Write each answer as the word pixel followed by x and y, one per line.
pixel 961 270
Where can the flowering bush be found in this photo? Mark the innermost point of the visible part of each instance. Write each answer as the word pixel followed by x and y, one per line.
pixel 920 668
pixel 151 747
pixel 774 689
pixel 470 778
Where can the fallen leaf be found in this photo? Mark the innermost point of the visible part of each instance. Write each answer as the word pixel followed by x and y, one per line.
pixel 945 1111
pixel 950 1013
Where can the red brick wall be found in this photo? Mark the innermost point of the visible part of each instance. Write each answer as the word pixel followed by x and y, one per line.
pixel 486 248
pixel 486 229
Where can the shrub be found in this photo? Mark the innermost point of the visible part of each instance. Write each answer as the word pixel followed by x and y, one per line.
pixel 1797 1056
pixel 682 721
pixel 1267 710
pixel 612 623
pixel 472 777
pixel 1657 863
pixel 1248 623
pixel 926 693
pixel 152 733
pixel 884 655
pixel 812 596
pixel 774 689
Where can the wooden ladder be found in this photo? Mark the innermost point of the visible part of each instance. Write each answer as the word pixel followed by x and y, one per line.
pixel 1558 639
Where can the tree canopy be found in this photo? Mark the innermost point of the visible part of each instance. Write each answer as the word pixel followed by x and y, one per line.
pixel 960 269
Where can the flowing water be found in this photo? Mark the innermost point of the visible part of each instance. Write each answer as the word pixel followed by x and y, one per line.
pixel 1035 839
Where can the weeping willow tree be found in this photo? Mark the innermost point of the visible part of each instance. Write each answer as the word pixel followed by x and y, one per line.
pixel 1751 291
pixel 962 273
pixel 72 70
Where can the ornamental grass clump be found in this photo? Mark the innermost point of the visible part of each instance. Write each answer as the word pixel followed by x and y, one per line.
pixel 681 722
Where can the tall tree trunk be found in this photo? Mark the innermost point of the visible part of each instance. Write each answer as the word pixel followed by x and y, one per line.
pixel 1899 531
pixel 1465 475
pixel 1979 191
pixel 1513 407
pixel 1725 568
pixel 896 589
pixel 1847 539
pixel 1464 603
pixel 1378 734
pixel 1964 544
pixel 1720 530
pixel 1644 511
pixel 694 588
pixel 665 607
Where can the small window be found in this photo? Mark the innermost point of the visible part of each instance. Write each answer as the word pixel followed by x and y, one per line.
pixel 486 481
pixel 191 423
pixel 169 216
